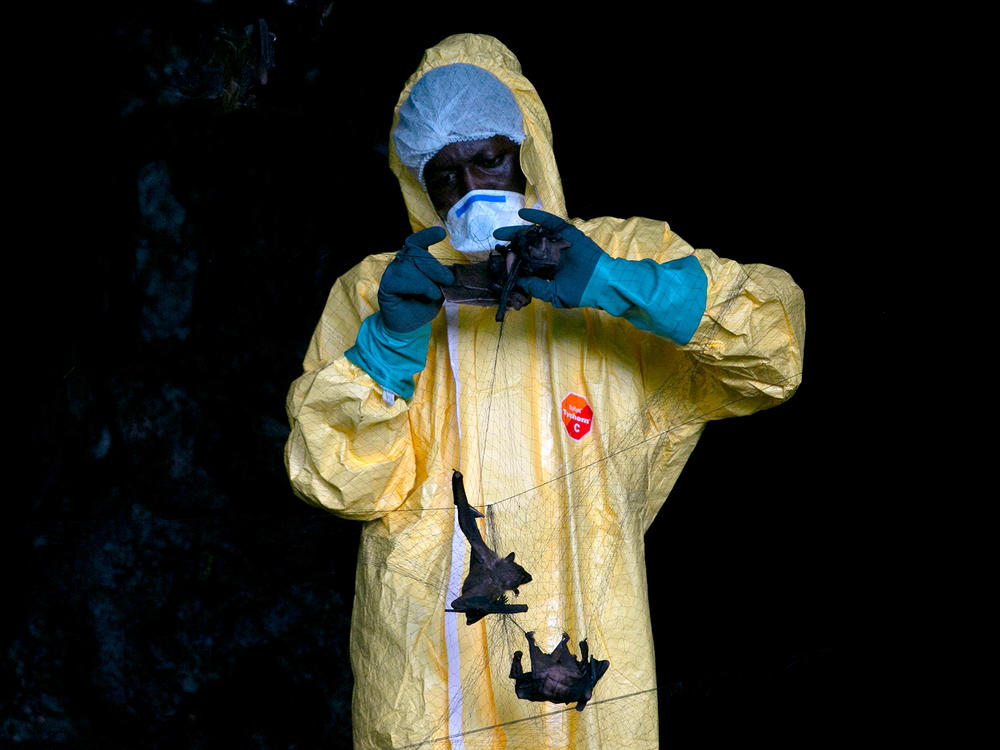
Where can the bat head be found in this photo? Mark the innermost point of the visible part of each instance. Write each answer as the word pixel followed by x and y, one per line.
pixel 511 574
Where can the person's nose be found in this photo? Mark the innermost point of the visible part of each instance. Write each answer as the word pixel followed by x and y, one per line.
pixel 473 179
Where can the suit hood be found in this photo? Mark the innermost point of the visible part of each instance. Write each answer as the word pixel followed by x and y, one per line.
pixel 537 158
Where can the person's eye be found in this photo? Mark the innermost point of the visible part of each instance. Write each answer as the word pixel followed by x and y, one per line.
pixel 441 179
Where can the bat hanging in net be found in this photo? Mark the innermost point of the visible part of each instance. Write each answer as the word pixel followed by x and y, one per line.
pixel 557 677
pixel 484 590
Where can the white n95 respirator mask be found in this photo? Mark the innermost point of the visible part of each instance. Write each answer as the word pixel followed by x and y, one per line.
pixel 471 221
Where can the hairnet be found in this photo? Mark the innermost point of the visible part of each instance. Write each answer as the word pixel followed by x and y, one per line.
pixel 458 102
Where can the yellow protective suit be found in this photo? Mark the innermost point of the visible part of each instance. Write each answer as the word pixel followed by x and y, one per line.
pixel 498 407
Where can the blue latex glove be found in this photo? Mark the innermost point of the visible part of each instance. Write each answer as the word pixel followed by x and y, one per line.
pixel 409 295
pixel 391 345
pixel 575 269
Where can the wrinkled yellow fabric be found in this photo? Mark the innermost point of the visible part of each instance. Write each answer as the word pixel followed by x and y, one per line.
pixel 389 465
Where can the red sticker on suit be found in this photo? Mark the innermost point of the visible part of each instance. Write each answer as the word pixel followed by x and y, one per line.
pixel 577 416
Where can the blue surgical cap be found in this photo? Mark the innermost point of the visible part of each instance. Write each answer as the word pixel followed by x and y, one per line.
pixel 458 102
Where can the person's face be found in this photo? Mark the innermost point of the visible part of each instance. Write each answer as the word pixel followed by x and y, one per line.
pixel 486 164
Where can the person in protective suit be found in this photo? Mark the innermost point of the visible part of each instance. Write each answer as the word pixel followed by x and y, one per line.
pixel 638 340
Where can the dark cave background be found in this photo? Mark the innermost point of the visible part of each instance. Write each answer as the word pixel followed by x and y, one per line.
pixel 171 591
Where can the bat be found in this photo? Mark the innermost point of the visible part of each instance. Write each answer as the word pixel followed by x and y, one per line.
pixel 534 251
pixel 490 576
pixel 557 677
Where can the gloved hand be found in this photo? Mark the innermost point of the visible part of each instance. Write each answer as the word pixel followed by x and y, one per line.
pixel 575 268
pixel 408 295
pixel 391 344
pixel 666 298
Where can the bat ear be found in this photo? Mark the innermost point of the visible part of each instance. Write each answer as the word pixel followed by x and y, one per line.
pixel 510 557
